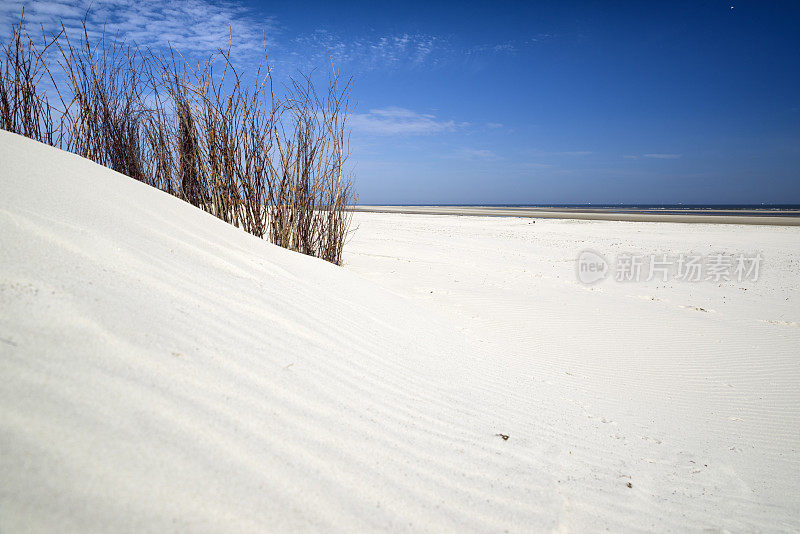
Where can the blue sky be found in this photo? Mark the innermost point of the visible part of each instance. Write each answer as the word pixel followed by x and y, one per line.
pixel 523 102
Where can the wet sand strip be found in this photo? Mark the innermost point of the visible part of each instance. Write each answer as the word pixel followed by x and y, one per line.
pixel 704 216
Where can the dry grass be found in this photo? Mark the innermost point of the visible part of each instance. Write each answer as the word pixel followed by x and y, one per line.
pixel 272 165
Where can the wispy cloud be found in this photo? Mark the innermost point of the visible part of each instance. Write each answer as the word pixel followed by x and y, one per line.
pixel 503 48
pixel 369 53
pixel 475 154
pixel 207 25
pixel 652 156
pixel 574 153
pixel 661 156
pixel 187 25
pixel 528 165
pixel 560 153
pixel 399 121
pixel 394 51
pixel 539 37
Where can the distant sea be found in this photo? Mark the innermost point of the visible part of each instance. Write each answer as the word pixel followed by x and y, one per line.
pixel 747 207
pixel 786 210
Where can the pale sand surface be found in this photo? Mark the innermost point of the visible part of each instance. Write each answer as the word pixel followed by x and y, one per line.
pixel 700 408
pixel 772 217
pixel 162 371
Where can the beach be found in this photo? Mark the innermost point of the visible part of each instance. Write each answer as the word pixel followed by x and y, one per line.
pixel 691 385
pixel 165 371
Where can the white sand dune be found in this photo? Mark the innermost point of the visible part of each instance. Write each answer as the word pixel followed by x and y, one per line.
pixel 163 371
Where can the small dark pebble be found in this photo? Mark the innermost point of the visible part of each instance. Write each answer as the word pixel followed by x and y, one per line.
pixel 629 485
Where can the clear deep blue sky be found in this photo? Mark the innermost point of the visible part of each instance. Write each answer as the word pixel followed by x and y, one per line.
pixel 658 102
pixel 525 102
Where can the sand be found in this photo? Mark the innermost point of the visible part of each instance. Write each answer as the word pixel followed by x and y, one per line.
pixel 687 390
pixel 163 371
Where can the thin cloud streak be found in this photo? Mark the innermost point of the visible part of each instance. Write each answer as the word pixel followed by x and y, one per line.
pixel 652 156
pixel 661 156
pixel 561 153
pixel 392 51
pixel 475 154
pixel 365 54
pixel 399 121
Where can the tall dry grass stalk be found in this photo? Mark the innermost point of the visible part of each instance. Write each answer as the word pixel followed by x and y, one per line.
pixel 274 166
pixel 24 108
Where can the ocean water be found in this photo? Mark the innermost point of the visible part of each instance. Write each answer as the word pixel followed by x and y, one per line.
pixel 745 207
pixel 784 210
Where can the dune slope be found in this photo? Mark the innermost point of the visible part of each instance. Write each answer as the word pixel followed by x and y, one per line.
pixel 162 370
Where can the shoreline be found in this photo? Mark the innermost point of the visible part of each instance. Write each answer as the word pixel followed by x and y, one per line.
pixel 705 216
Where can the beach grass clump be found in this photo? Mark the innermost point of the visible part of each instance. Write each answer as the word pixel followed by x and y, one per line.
pixel 273 164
